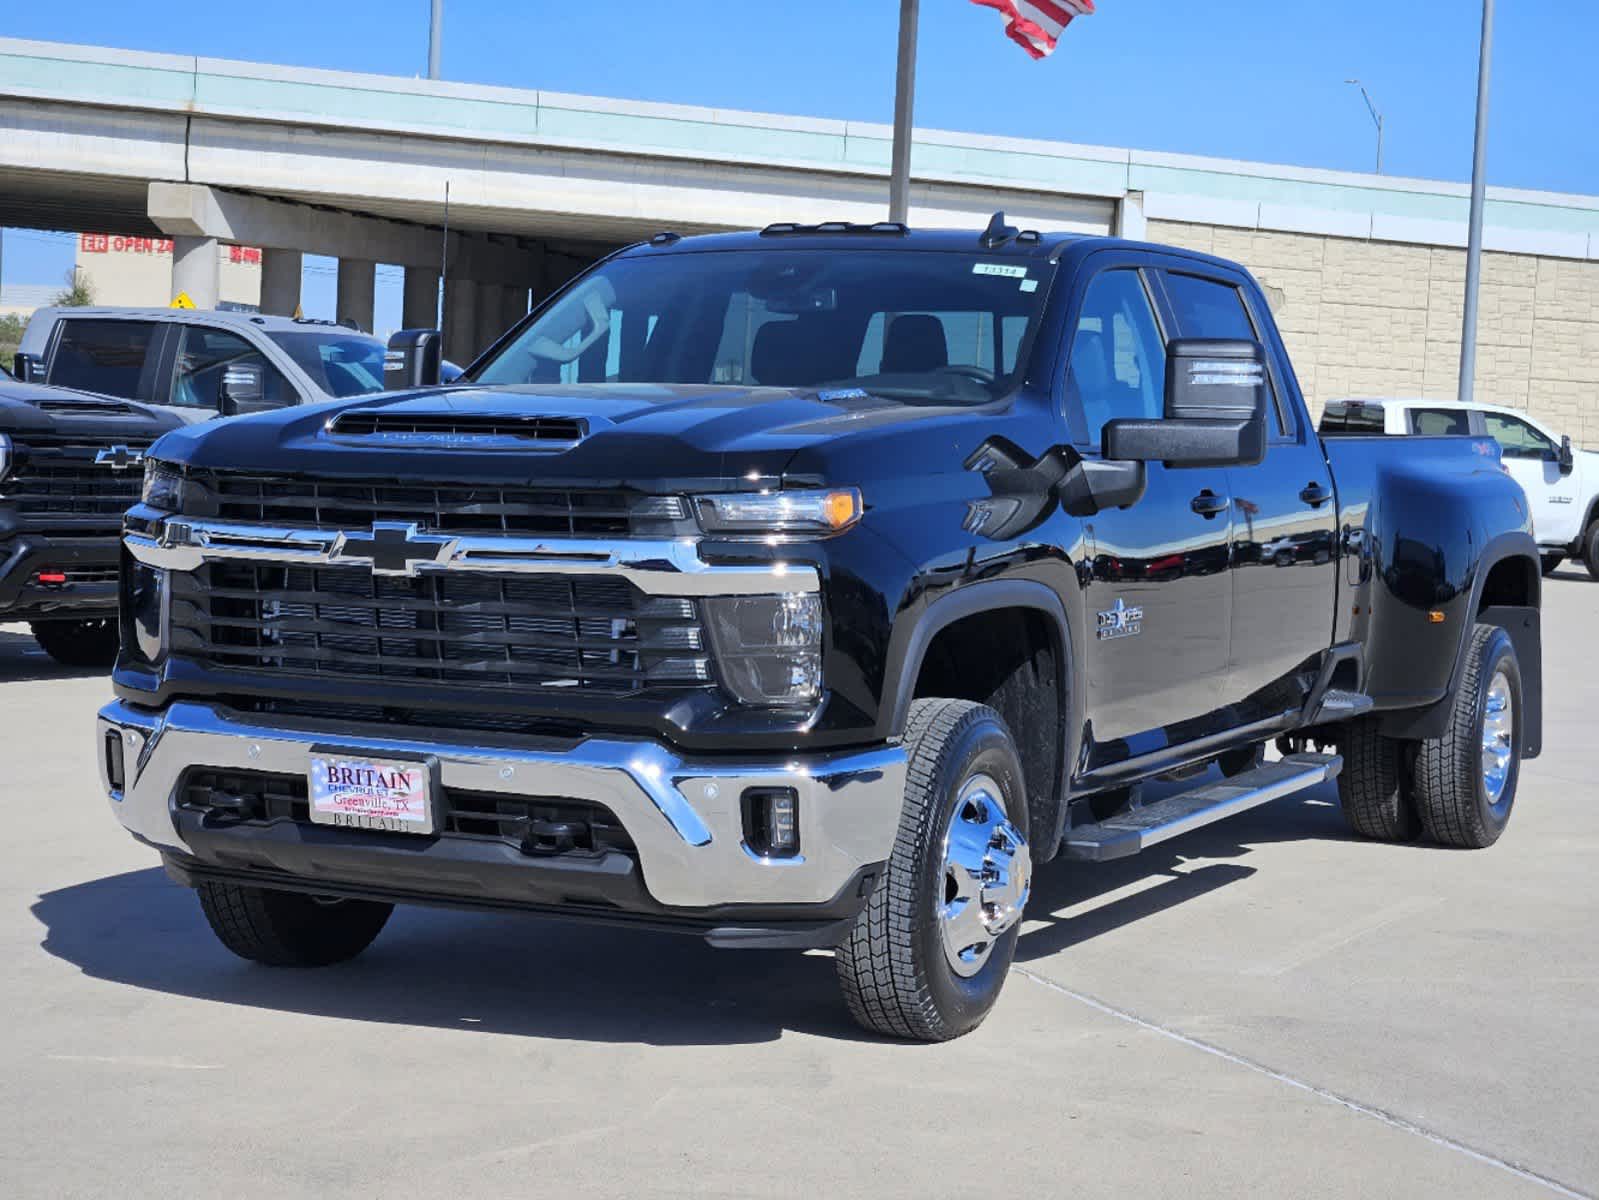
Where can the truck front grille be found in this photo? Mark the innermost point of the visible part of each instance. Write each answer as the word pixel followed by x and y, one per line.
pixel 61 481
pixel 514 632
pixel 438 508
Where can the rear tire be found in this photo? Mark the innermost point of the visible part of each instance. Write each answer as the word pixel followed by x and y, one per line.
pixel 1590 549
pixel 1465 780
pixel 1551 563
pixel 928 955
pixel 290 929
pixel 1372 787
pixel 80 643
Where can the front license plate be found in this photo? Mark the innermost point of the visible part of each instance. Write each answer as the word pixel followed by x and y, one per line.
pixel 371 793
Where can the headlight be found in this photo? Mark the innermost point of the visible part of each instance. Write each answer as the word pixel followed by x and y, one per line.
pixel 5 455
pixel 818 510
pixel 163 486
pixel 768 648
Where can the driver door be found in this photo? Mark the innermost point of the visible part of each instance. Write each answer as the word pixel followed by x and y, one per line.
pixel 1533 460
pixel 1159 593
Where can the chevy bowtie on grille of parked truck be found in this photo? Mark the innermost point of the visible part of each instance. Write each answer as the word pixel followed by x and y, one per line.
pixel 808 588
pixel 70 466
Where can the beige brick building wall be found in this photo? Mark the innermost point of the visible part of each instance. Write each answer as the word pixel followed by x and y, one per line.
pixel 1369 318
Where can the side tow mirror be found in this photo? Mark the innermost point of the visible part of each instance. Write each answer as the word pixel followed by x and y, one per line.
pixel 1215 411
pixel 243 389
pixel 28 368
pixel 414 359
pixel 1568 459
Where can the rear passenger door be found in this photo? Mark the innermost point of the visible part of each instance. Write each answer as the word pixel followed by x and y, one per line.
pixel 1284 517
pixel 107 356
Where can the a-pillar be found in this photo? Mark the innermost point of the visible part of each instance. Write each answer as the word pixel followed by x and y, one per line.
pixel 280 281
pixel 357 278
pixel 490 314
pixel 419 306
pixel 196 270
pixel 460 321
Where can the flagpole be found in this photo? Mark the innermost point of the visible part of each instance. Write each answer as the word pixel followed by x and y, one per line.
pixel 1479 183
pixel 899 186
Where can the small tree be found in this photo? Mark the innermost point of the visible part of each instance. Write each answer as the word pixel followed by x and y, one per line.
pixel 78 292
pixel 11 327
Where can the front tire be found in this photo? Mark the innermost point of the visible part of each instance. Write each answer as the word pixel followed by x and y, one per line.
pixel 1372 787
pixel 1590 549
pixel 81 643
pixel 928 955
pixel 290 929
pixel 1465 781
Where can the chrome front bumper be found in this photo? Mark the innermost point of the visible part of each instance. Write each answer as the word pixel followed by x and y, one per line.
pixel 684 816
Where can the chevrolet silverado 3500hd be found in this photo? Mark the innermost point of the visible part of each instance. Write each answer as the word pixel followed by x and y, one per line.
pixel 808 588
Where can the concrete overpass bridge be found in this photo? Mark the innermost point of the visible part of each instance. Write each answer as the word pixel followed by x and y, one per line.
pixel 298 161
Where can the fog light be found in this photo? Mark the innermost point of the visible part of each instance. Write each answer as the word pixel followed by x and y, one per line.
pixel 115 771
pixel 771 822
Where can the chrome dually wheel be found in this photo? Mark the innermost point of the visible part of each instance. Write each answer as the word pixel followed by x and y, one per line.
pixel 987 876
pixel 1498 736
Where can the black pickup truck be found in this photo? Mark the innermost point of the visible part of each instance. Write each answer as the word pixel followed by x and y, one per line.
pixel 808 588
pixel 70 465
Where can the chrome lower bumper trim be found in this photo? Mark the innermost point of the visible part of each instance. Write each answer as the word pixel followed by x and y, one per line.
pixel 685 816
pixel 668 567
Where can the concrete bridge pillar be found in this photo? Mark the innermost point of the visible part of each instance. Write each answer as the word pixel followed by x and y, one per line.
pixel 357 278
pixel 460 321
pixel 419 303
pixel 490 314
pixel 196 270
pixel 515 306
pixel 280 281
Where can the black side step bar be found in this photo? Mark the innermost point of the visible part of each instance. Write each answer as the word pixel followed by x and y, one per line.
pixel 1139 828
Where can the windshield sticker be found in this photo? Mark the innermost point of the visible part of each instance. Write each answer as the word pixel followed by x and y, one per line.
pixel 1029 285
pixel 1001 269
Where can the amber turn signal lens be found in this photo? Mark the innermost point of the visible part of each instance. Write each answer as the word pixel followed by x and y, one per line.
pixel 1435 617
pixel 842 509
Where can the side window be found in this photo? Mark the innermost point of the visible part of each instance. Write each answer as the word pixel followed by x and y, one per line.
pixel 1117 366
pixel 1209 308
pixel 108 357
pixel 1440 422
pixel 1517 439
pixel 205 354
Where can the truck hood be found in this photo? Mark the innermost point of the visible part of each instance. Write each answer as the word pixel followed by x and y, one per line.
pixel 32 408
pixel 640 434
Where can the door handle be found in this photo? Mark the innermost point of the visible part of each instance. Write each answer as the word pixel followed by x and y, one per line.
pixel 1315 495
pixel 1208 504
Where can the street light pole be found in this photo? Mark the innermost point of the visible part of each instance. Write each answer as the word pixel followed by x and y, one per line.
pixel 1479 187
pixel 899 185
pixel 1376 118
pixel 435 38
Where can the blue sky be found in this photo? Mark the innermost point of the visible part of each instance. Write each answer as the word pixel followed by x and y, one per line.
pixel 1257 79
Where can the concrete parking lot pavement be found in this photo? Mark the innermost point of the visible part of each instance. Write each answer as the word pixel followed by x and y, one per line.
pixel 1264 1008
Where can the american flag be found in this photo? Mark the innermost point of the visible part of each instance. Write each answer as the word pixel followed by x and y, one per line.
pixel 1035 25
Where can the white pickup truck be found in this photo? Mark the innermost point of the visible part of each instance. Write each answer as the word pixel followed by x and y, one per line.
pixel 1562 484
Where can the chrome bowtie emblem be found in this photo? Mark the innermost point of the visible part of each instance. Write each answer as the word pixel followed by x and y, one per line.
pixel 1120 620
pixel 393 548
pixel 119 458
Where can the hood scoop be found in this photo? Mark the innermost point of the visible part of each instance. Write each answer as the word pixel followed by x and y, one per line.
pixel 85 408
pixel 447 430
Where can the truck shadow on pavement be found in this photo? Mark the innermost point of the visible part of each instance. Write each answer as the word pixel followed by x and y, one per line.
pixel 535 977
pixel 21 660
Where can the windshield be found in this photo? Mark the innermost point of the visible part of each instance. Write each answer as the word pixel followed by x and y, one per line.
pixel 341 364
pixel 922 326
